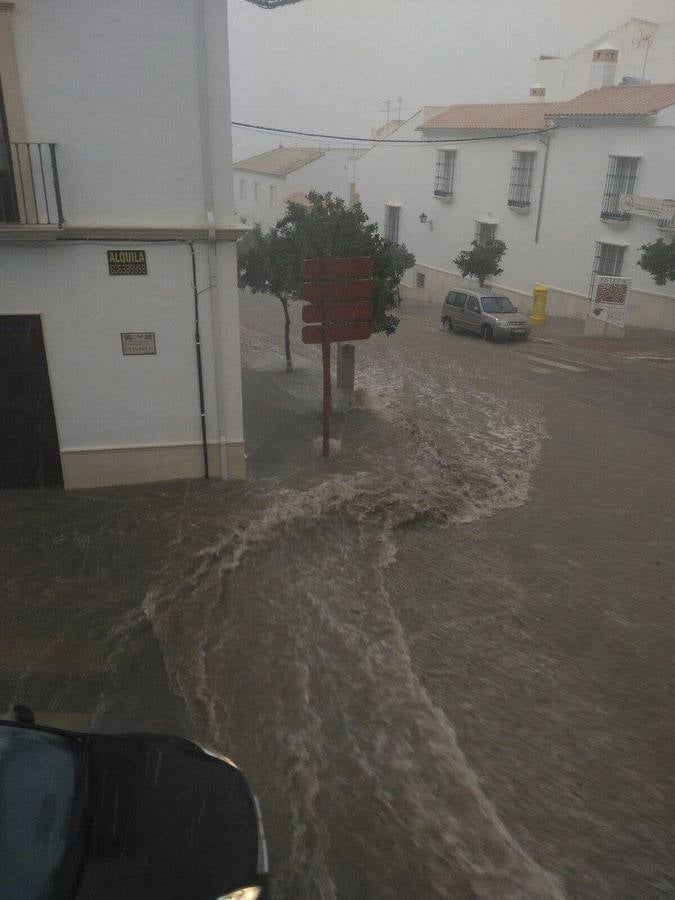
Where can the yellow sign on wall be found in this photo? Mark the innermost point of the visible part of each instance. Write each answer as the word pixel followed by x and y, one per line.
pixel 127 262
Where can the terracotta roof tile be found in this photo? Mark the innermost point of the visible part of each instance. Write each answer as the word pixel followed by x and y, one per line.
pixel 620 100
pixel 281 161
pixel 299 199
pixel 498 116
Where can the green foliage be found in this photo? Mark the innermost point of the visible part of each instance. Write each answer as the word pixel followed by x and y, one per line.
pixel 272 262
pixel 481 262
pixel 658 259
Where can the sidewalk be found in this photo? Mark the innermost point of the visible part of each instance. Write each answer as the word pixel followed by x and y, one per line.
pixel 641 343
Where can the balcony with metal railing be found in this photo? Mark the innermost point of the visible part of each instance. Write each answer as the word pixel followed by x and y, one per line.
pixel 30 193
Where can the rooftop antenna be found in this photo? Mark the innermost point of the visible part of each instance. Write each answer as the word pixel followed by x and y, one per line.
pixel 646 39
pixel 400 106
pixel 387 104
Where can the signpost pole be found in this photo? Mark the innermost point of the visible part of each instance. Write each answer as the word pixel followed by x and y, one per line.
pixel 339 294
pixel 325 353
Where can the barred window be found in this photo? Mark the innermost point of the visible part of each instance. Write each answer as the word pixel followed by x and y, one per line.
pixel 392 216
pixel 485 233
pixel 256 192
pixel 273 195
pixel 420 279
pixel 445 173
pixel 608 259
pixel 522 171
pixel 621 175
pixel 242 189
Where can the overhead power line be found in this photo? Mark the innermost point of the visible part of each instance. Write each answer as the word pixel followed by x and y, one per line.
pixel 378 141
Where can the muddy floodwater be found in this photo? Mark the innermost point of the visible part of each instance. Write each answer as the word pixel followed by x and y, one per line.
pixel 442 658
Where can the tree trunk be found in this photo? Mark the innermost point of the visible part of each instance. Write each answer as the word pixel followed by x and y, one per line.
pixel 287 334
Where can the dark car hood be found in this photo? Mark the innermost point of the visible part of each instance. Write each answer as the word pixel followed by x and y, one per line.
pixel 120 816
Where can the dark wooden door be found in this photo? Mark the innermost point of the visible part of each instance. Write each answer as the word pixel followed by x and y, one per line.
pixel 29 446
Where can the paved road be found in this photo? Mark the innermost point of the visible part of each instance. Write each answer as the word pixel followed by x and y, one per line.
pixel 555 666
pixel 455 638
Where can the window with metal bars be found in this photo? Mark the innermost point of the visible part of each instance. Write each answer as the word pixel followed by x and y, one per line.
pixel 445 173
pixel 621 175
pixel 485 233
pixel 392 216
pixel 420 279
pixel 608 259
pixel 522 172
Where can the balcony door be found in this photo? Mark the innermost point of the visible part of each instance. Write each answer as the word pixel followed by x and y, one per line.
pixel 8 205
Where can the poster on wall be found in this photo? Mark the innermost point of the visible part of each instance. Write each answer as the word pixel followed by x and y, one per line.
pixel 610 300
pixel 139 343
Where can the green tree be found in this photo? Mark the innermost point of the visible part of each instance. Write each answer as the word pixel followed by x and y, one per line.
pixel 481 262
pixel 271 263
pixel 658 258
pixel 261 268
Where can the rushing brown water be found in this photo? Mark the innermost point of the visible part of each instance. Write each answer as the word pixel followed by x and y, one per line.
pixel 313 621
pixel 282 639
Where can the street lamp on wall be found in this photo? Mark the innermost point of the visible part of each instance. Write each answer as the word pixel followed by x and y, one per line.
pixel 425 220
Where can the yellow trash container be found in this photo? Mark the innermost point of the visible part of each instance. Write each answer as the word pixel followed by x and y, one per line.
pixel 540 295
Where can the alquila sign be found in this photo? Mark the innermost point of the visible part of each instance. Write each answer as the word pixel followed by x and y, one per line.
pixel 127 262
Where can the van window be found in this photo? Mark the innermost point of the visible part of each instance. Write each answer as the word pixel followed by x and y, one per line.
pixel 450 297
pixel 472 304
pixel 459 301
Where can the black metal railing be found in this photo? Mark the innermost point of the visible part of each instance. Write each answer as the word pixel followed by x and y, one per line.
pixel 620 180
pixel 30 193
pixel 520 184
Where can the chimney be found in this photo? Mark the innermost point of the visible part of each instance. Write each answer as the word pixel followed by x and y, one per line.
pixel 538 92
pixel 603 73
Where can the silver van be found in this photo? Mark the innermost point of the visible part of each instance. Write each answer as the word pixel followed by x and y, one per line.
pixel 493 316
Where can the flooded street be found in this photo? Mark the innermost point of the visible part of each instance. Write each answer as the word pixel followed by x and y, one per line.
pixel 443 657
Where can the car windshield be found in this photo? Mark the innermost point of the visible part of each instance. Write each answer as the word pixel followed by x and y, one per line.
pixel 41 811
pixel 497 305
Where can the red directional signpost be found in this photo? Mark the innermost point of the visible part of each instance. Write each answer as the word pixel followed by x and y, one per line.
pixel 339 292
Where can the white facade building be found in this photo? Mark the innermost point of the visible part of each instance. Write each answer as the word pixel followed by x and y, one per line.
pixel 645 50
pixel 264 183
pixel 115 136
pixel 548 181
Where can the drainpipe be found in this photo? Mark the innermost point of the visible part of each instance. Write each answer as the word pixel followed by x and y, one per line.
pixel 200 374
pixel 207 176
pixel 546 140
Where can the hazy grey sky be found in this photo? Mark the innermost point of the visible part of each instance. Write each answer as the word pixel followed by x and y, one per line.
pixel 328 65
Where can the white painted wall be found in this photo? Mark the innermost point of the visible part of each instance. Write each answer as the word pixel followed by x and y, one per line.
pixel 571 224
pixel 102 398
pixel 115 85
pixel 261 211
pixel 567 77
pixel 331 172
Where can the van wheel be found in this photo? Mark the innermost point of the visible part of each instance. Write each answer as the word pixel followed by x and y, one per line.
pixel 447 322
pixel 486 333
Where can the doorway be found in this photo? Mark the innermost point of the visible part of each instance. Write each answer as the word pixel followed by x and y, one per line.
pixel 29 444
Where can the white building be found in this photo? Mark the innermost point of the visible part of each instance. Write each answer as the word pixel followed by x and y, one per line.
pixel 546 178
pixel 264 183
pixel 644 50
pixel 115 160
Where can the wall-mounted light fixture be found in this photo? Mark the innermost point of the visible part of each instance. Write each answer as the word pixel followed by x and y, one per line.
pixel 425 220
